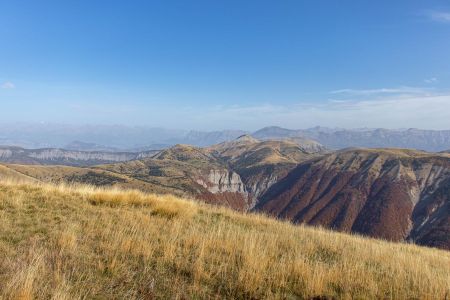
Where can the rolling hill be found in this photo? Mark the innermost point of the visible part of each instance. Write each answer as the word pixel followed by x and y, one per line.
pixel 58 242
pixel 232 174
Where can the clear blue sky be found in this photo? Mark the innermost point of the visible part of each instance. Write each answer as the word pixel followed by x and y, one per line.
pixel 226 64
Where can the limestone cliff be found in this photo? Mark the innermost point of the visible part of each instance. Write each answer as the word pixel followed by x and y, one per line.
pixel 66 157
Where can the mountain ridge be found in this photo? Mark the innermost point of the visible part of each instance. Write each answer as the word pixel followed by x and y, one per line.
pixel 394 194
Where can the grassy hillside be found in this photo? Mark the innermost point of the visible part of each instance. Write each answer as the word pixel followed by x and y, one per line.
pixel 70 243
pixel 98 176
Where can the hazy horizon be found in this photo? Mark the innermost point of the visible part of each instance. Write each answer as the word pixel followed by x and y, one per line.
pixel 22 124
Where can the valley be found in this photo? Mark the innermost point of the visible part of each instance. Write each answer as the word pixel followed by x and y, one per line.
pixel 394 194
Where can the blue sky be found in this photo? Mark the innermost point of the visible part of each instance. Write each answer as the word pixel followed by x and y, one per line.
pixel 226 64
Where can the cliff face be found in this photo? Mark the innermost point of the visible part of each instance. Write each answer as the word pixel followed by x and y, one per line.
pixel 5 154
pixel 220 181
pixel 67 157
pixel 59 154
pixel 391 194
pixel 224 187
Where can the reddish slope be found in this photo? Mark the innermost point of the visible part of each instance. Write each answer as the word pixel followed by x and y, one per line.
pixel 391 194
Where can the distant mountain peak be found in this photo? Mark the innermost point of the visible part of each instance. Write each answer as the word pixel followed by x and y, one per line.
pixel 247 138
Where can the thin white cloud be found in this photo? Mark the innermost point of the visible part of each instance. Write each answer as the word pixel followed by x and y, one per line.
pixel 8 85
pixel 406 90
pixel 439 16
pixel 431 80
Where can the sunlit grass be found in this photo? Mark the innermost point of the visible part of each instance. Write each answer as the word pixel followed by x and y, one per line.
pixel 66 242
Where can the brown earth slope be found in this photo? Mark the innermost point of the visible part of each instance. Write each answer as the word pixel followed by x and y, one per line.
pixel 385 193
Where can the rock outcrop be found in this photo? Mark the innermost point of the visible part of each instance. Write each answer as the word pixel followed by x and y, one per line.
pixel 220 181
pixel 5 154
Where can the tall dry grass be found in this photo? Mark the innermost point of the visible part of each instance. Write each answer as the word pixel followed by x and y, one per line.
pixel 62 242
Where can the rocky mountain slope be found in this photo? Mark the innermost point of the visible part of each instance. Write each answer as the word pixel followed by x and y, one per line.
pixel 399 195
pixel 262 163
pixel 52 156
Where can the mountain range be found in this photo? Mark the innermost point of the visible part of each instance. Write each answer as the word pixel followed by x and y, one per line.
pixel 137 139
pixel 428 140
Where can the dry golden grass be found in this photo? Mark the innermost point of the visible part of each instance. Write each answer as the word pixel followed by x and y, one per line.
pixel 60 242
